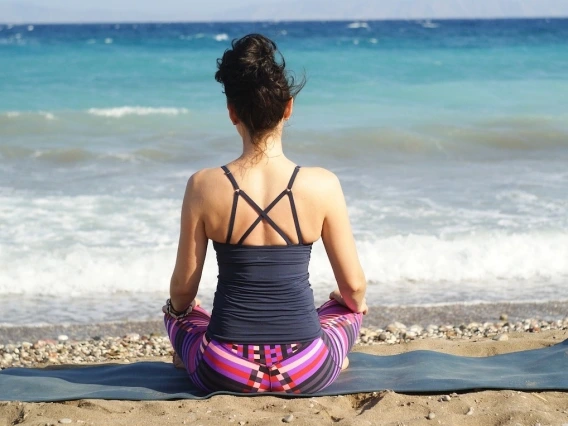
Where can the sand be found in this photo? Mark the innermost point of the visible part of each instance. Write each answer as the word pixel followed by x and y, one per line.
pixel 379 408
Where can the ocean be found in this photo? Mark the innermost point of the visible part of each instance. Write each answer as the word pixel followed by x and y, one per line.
pixel 450 139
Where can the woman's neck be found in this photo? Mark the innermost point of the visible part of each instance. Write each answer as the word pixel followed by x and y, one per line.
pixel 261 152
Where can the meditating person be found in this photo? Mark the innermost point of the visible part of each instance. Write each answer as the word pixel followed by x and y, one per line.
pixel 263 212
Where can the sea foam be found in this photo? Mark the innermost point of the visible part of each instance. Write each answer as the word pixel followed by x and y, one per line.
pixel 135 110
pixel 401 269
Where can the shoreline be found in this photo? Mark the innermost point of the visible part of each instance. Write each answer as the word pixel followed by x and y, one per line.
pixel 132 347
pixel 378 317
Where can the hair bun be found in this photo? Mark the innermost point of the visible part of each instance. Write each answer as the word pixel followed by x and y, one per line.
pixel 256 83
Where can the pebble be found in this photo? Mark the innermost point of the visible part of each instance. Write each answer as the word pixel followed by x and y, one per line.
pixel 62 337
pixel 501 338
pixel 446 398
pixel 431 416
pixel 409 335
pixel 469 412
pixel 288 419
pixel 396 327
pixel 65 421
pixel 397 332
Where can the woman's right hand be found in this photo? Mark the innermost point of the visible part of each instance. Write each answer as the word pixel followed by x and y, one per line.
pixel 336 295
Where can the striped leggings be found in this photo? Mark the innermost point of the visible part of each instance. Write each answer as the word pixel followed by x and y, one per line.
pixel 291 368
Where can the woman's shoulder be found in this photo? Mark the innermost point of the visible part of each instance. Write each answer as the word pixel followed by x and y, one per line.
pixel 319 178
pixel 205 177
pixel 203 184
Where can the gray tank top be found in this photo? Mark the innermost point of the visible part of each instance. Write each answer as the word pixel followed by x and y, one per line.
pixel 263 293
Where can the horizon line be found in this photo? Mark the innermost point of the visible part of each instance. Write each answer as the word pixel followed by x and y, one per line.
pixel 238 21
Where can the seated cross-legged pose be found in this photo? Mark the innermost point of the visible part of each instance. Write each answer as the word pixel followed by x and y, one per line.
pixel 263 213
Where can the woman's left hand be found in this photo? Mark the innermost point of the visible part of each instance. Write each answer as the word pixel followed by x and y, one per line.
pixel 336 295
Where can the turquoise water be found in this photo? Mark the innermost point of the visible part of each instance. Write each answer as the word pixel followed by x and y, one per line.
pixel 450 138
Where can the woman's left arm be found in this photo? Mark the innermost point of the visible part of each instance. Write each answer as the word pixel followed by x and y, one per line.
pixel 191 249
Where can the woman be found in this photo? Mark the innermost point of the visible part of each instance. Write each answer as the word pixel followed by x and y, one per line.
pixel 263 213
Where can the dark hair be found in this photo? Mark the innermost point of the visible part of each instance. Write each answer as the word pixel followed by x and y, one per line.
pixel 256 83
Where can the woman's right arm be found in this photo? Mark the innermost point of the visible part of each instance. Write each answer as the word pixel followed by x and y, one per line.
pixel 339 244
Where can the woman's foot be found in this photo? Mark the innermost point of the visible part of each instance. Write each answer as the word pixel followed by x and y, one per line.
pixel 178 363
pixel 345 364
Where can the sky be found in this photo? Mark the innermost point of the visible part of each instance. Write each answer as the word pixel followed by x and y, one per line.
pixel 37 11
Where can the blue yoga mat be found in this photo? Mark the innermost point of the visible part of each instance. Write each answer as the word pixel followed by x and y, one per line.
pixel 411 372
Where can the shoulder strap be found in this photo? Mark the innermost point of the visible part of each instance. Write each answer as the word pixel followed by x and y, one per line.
pixel 293 204
pixel 235 201
pixel 231 177
pixel 293 178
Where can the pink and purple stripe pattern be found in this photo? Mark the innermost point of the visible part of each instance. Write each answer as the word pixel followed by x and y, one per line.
pixel 290 368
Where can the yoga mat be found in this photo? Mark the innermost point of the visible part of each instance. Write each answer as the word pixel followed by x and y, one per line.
pixel 411 372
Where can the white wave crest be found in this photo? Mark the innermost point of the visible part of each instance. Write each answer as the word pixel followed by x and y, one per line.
pixel 485 257
pixel 221 37
pixel 429 24
pixel 355 25
pixel 15 114
pixel 128 110
pixel 401 270
pixel 48 115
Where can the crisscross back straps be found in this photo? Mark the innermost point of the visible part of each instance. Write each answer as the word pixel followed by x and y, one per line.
pixel 262 214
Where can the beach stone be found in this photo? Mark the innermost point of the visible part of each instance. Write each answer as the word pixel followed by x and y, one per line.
pixel 383 337
pixel 132 337
pixel 469 412
pixel 501 338
pixel 504 317
pixel 65 421
pixel 395 327
pixel 62 338
pixel 416 329
pixel 431 416
pixel 446 398
pixel 288 419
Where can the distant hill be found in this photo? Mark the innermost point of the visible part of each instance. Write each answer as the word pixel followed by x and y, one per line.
pixel 23 11
pixel 401 9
